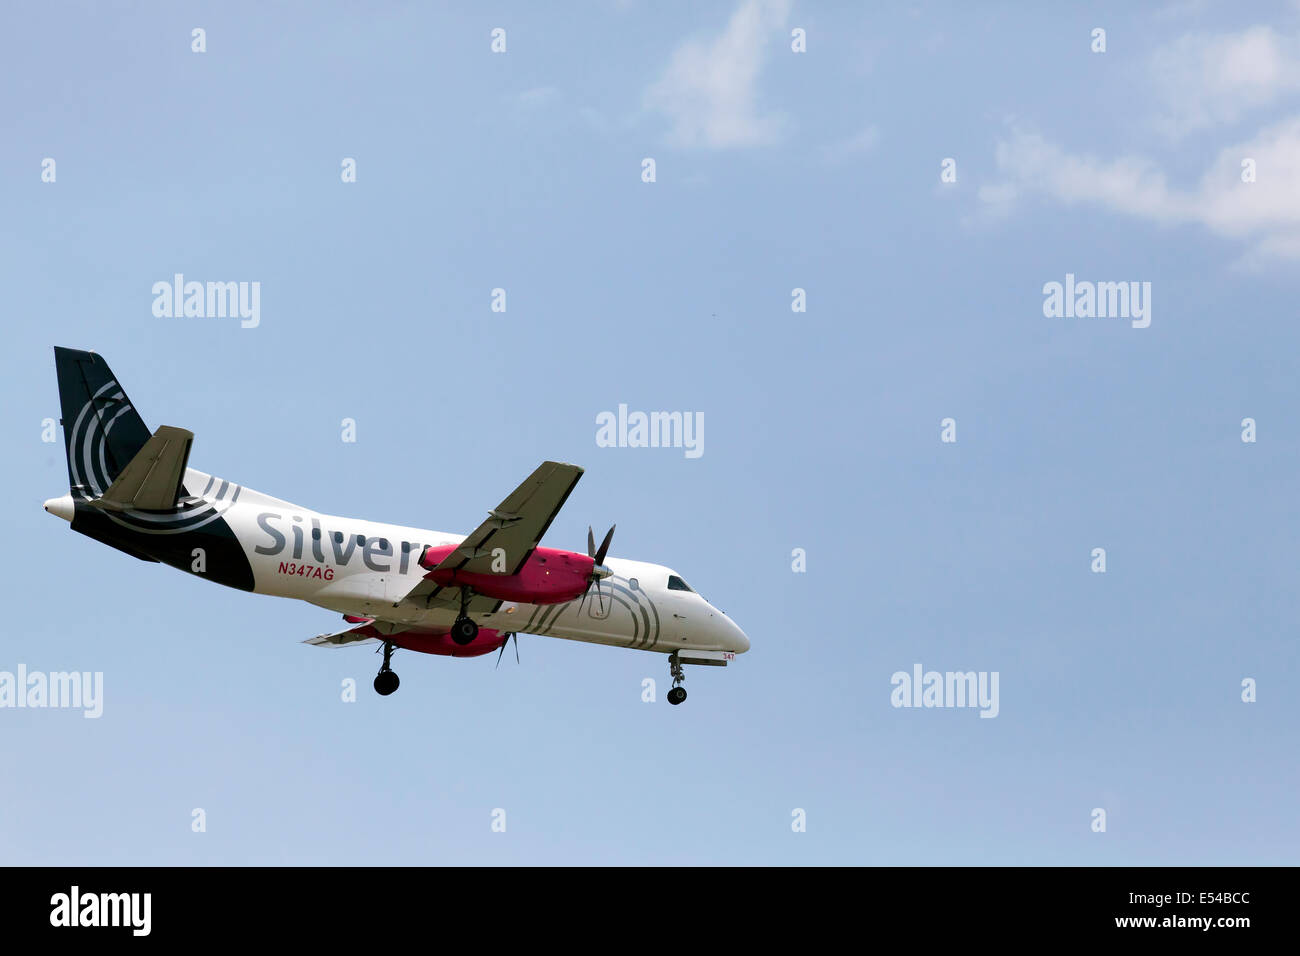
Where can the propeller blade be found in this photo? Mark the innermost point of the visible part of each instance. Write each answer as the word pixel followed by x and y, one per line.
pixel 591 543
pixel 512 635
pixel 604 545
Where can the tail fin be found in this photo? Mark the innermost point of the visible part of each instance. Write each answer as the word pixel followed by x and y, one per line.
pixel 102 431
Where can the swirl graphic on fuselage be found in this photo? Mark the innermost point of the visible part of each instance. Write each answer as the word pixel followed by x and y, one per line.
pixel 87 450
pixel 639 605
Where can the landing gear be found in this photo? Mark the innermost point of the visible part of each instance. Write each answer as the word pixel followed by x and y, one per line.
pixel 386 680
pixel 678 693
pixel 464 631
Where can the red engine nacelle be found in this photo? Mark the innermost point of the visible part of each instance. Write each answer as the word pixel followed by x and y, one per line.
pixel 435 642
pixel 430 641
pixel 547 577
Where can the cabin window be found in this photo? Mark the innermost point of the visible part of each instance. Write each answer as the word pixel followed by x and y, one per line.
pixel 633 583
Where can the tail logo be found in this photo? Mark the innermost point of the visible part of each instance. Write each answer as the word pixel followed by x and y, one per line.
pixel 88 464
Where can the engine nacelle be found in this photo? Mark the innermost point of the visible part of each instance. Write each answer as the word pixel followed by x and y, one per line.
pixel 547 577
pixel 440 642
pixel 431 640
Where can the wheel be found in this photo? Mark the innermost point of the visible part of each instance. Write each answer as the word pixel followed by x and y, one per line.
pixel 677 695
pixel 464 631
pixel 386 682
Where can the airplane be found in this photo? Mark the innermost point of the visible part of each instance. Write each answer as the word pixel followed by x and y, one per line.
pixel 396 587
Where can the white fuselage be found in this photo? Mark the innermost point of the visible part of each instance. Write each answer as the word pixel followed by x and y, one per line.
pixel 365 568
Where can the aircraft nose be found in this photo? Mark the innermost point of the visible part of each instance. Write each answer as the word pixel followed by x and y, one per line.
pixel 736 637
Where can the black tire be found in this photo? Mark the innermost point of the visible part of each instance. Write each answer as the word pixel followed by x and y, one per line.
pixel 464 631
pixel 677 695
pixel 386 682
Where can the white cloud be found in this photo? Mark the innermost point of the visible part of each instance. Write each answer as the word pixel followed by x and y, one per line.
pixel 1265 213
pixel 857 145
pixel 1201 81
pixel 538 96
pixel 1208 79
pixel 1032 164
pixel 709 90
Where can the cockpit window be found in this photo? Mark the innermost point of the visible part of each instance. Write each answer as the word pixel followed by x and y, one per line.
pixel 677 584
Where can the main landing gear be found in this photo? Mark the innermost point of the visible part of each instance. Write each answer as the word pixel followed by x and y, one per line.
pixel 678 693
pixel 463 630
pixel 386 680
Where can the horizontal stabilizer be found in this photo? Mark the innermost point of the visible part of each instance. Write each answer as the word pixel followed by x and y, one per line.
pixel 152 480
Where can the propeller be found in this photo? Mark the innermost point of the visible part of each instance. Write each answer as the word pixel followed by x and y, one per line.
pixel 512 634
pixel 598 572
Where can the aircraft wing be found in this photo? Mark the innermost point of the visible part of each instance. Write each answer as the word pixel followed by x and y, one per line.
pixel 365 634
pixel 429 595
pixel 517 524
pixel 515 527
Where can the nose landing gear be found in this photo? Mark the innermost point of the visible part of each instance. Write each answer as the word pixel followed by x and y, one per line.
pixel 386 680
pixel 678 693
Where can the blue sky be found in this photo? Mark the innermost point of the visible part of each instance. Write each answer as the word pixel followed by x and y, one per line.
pixel 774 170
